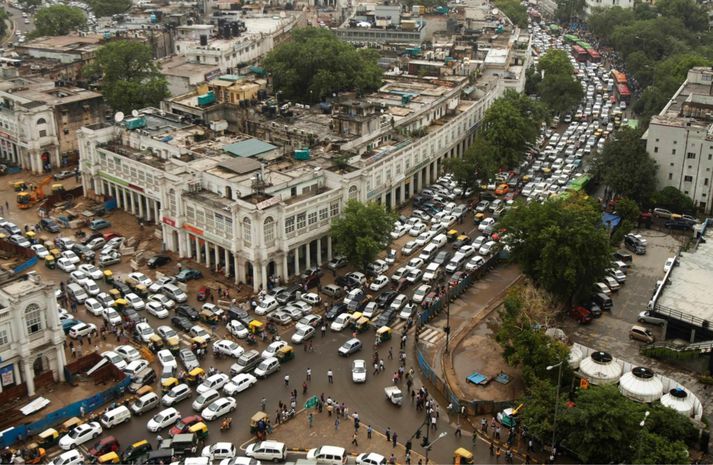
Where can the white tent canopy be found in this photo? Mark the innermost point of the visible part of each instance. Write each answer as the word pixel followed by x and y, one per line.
pixel 600 369
pixel 641 385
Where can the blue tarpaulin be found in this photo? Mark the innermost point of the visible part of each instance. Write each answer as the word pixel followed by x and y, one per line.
pixel 610 221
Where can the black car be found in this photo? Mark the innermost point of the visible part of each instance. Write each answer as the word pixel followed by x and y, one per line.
pixel 288 295
pixel 594 308
pixel 385 299
pixel 443 257
pixel 182 323
pixel 311 281
pixel 314 270
pixel 84 252
pixel 336 309
pixel 49 225
pixel 122 287
pixel 681 225
pixel 131 315
pixel 187 312
pixel 458 244
pixel 158 260
pixel 385 319
pixel 237 313
pixel 347 282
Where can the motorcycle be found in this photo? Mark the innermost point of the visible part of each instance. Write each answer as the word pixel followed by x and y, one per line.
pixel 251 340
pixel 226 424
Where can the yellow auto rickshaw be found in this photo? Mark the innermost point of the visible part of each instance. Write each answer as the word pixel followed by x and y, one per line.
pixel 111 457
pixel 195 376
pixel 285 354
pixel 256 327
pixel 19 186
pixel 50 262
pixel 383 334
pixel 31 236
pixel 143 390
pixel 362 324
pixel 200 429
pixel 115 294
pixel 452 234
pixel 141 291
pixel 255 419
pixel 462 456
pixel 209 317
pixel 353 318
pixel 57 188
pixel 33 453
pixel 155 343
pixel 71 423
pixel 478 217
pixel 48 438
pixel 121 303
pixel 463 238
pixel 168 384
pixel 199 342
pixel 109 277
pixel 55 252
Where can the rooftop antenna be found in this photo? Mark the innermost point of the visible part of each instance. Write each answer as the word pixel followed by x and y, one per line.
pixel 118 116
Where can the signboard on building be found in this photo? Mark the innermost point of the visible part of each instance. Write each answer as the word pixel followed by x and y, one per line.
pixel 193 229
pixel 169 221
pixel 268 203
pixel 7 375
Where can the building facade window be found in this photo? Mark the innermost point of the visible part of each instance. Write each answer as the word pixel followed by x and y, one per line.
pixel 688 179
pixel 323 214
pixel 691 155
pixel 4 337
pixel 269 230
pixel 247 230
pixel 301 220
pixel 334 209
pixel 289 224
pixel 312 218
pixel 33 318
pixel 353 192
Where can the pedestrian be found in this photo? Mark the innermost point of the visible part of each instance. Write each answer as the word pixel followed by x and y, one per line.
pixel 392 459
pixel 529 445
pixel 329 410
pixel 388 434
pixel 376 367
pixel 81 410
pixel 497 433
pixel 527 459
pixel 309 374
pixel 498 452
pixel 324 329
pixel 159 440
pixel 484 425
pixel 474 441
pixel 336 424
pixel 354 439
pixel 287 380
pixel 458 432
pixel 368 432
pixel 407 459
pixel 263 404
pixel 310 418
pixel 381 365
pixel 492 449
pixel 7 206
pixel 433 422
pixel 391 353
pixel 330 376
pixel 394 439
pixel 304 388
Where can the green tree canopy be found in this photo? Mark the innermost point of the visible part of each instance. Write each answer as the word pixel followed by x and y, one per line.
pixel 558 88
pixel 3 21
pixel 130 78
pixel 560 244
pixel 569 9
pixel 626 167
pixel 58 20
pixel 315 64
pixel 479 162
pixel 693 15
pixel 109 7
pixel 30 4
pixel 602 21
pixel 514 10
pixel 673 200
pixel 361 232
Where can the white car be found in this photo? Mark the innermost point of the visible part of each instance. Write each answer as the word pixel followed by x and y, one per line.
pixel 71 457
pixel 219 408
pixel 487 248
pixel 421 293
pixel 199 331
pixel 80 434
pixel 409 248
pixel 163 300
pixel 177 393
pixel 20 240
pixel 156 309
pixel 340 322
pixel 91 287
pixel 669 263
pixel 163 419
pixel 467 250
pixel 105 299
pixel 370 458
pixel 474 263
pixel 94 307
pixel 311 298
pixel 267 305
pixel 302 333
pixel 133 368
pixel 71 256
pixel 414 263
pixel 114 358
pixel 272 349
pixel 79 277
pixel 40 250
pixel 407 312
pixel 65 265
pixel 398 303
pixel 359 371
pixel 82 329
pixel 128 352
pixel 216 381
pixel 237 329
pixel 485 224
pixel 136 302
pixel 166 359
pixel 158 285
pixel 399 231
pixel 399 273
pixel 141 278
pixel 219 450
pixel 205 399
pixel 239 383
pixel 379 283
pixel 91 271
pixel 414 276
pixel 112 317
pixel 417 229
pixel 226 347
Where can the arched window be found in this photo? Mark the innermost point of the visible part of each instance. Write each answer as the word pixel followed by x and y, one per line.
pixel 41 121
pixel 33 318
pixel 268 227
pixel 353 193
pixel 247 230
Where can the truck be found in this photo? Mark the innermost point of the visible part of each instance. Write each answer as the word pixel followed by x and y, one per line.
pixel 394 395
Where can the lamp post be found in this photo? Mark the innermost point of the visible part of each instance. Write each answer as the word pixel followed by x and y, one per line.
pixel 642 424
pixel 557 400
pixel 447 292
pixel 428 446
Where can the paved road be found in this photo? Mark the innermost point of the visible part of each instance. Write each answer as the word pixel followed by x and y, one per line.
pixel 16 17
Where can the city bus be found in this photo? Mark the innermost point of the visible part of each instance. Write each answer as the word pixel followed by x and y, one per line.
pixel 623 92
pixel 594 56
pixel 570 38
pixel 619 78
pixel 579 53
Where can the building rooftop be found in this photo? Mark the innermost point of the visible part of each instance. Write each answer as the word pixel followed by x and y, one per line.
pixel 688 290
pixel 66 43
pixel 31 92
pixel 178 66
pixel 249 148
pixel 21 286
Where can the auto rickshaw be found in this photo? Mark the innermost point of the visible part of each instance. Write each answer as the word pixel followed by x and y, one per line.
pixel 168 384
pixel 135 451
pixel 141 291
pixel 199 342
pixel 209 317
pixel 71 423
pixel 120 304
pixel 55 252
pixel 285 354
pixel 353 318
pixel 462 456
pixel 195 376
pixel 111 457
pixel 115 294
pixel 48 438
pixel 31 236
pixel 478 217
pixel 33 453
pixel 155 343
pixel 361 325
pixel 19 186
pixel 383 334
pixel 452 234
pixel 109 277
pixel 50 262
pixel 57 188
pixel 256 327
pixel 255 419
pixel 200 429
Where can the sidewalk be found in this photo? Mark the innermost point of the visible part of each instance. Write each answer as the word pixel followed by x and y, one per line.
pixel 299 437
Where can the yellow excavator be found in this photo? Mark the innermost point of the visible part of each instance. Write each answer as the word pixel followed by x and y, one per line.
pixel 34 194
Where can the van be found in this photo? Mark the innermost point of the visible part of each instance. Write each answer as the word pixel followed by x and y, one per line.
pixel 328 455
pixel 428 252
pixel 144 403
pixel 332 290
pixel 623 256
pixel 603 300
pixel 174 292
pixel 642 334
pixel 115 416
pixel 246 362
pixel 440 240
pixel 142 378
pixel 77 293
pixel 456 262
pixel 271 451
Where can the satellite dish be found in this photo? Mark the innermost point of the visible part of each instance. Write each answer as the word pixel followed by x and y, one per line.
pixel 119 116
pixel 134 113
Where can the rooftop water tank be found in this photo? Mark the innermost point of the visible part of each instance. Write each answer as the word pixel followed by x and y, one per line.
pixel 641 385
pixel 302 154
pixel 679 400
pixel 600 368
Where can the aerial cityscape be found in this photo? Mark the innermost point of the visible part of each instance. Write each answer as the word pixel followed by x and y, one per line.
pixel 330 232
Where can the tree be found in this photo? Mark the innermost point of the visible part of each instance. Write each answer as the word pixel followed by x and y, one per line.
pixel 629 212
pixel 532 80
pixel 58 20
pixel 558 88
pixel 478 163
pixel 560 244
pixel 315 64
pixel 670 73
pixel 569 9
pixel 602 21
pixel 30 4
pixel 693 15
pixel 674 200
pixel 555 61
pixel 109 7
pixel 130 78
pixel 361 232
pixel 652 448
pixel 626 167
pixel 514 10
pixel 3 22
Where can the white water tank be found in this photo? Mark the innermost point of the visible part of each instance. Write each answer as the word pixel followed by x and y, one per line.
pixel 679 400
pixel 641 385
pixel 600 369
pixel 575 357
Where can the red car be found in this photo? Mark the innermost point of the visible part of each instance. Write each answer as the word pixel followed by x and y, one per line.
pixel 185 423
pixel 104 446
pixel 581 314
pixel 202 294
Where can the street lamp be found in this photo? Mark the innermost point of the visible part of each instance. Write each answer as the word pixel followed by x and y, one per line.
pixel 428 446
pixel 641 433
pixel 447 291
pixel 557 400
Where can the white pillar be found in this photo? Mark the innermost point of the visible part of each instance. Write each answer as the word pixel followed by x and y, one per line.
pixel 263 275
pixel 227 262
pixel 198 249
pixel 319 251
pixel 297 260
pixel 237 270
pixel 61 362
pixel 155 212
pixel 126 202
pixel 284 266
pixel 308 254
pixel 29 377
pixel 329 247
pixel 140 199
pixel 206 246
pixel 216 251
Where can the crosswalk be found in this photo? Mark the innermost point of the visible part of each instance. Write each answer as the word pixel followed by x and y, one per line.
pixel 429 335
